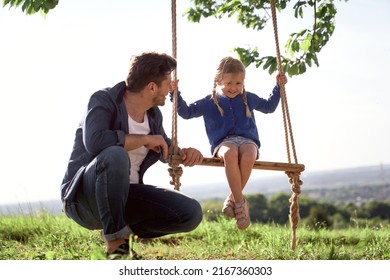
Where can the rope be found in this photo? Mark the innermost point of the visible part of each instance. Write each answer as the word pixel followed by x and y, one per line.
pixel 294 206
pixel 286 114
pixel 293 176
pixel 175 171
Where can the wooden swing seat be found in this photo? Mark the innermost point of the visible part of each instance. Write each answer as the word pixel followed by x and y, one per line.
pixel 264 165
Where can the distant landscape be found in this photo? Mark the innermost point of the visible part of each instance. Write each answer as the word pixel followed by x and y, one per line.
pixel 341 185
pixel 350 185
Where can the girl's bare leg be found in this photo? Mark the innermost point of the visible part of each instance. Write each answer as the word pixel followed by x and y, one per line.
pixel 229 153
pixel 247 156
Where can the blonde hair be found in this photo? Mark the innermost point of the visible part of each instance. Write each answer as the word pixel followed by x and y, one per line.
pixel 229 65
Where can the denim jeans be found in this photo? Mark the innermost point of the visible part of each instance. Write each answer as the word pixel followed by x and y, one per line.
pixel 106 200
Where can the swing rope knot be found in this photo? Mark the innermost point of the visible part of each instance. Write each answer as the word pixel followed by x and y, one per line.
pixel 175 171
pixel 296 182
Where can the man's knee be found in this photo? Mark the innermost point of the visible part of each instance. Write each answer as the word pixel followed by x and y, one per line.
pixel 195 214
pixel 114 156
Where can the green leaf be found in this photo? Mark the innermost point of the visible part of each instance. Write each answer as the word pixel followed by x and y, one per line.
pixel 273 67
pixel 315 59
pixel 322 11
pixel 293 70
pixel 308 59
pixel 25 5
pixel 5 2
pixel 37 5
pixel 302 32
pixel 295 46
pixel 288 43
pixel 268 62
pixel 18 2
pixel 305 45
pixel 302 67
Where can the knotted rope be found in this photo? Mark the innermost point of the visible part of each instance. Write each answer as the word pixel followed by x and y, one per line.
pixel 293 176
pixel 175 171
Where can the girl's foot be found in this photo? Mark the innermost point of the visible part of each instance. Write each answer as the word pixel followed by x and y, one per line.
pixel 241 211
pixel 228 207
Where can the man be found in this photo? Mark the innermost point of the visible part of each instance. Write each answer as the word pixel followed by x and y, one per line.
pixel 119 138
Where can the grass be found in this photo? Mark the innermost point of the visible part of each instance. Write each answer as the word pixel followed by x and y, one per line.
pixel 48 237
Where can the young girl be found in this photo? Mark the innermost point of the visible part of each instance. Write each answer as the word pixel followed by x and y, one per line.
pixel 231 129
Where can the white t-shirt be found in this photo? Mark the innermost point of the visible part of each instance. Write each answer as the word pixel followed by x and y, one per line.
pixel 138 155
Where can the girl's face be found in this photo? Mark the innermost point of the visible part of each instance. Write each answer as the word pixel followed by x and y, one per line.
pixel 231 84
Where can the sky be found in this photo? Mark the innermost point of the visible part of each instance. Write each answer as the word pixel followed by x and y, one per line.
pixel 49 66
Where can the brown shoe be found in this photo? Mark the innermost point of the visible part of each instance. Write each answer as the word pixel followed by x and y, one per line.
pixel 241 211
pixel 228 207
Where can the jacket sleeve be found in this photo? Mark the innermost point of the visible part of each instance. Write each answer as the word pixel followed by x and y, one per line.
pixel 187 111
pixel 100 125
pixel 268 105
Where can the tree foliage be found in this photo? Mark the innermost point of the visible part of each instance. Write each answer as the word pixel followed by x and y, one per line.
pixel 32 6
pixel 302 46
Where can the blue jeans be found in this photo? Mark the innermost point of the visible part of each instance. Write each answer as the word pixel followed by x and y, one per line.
pixel 106 200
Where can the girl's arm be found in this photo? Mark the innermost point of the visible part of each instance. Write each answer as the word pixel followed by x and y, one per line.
pixel 269 105
pixel 185 111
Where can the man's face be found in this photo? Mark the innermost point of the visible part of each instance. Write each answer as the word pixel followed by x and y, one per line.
pixel 162 91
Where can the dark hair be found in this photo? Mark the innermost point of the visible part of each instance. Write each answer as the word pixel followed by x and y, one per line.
pixel 149 67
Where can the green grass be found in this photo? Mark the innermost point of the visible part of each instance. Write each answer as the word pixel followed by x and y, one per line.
pixel 47 237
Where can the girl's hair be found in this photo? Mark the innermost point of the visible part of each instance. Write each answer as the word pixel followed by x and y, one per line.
pixel 149 67
pixel 229 65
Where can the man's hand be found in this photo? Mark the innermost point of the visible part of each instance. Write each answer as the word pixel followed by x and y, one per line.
pixel 156 143
pixel 191 156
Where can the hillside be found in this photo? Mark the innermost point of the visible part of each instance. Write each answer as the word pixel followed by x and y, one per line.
pixel 341 185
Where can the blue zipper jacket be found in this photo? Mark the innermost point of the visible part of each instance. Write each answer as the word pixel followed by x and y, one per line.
pixel 105 124
pixel 234 121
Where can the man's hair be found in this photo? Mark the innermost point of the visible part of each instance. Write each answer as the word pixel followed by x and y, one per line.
pixel 149 67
